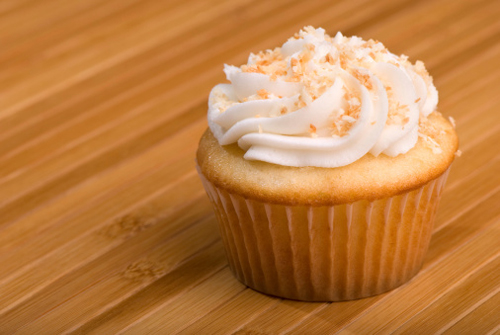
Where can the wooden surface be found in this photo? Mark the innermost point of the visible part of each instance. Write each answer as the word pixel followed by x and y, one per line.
pixel 104 225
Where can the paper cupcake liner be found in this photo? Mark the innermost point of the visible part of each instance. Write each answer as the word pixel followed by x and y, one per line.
pixel 326 253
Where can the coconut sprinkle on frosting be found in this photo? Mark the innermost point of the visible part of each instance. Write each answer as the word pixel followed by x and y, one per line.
pixel 323 101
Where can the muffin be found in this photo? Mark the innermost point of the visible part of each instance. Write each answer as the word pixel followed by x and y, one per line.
pixel 325 160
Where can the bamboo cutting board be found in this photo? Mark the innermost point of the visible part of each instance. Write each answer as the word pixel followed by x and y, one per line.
pixel 104 225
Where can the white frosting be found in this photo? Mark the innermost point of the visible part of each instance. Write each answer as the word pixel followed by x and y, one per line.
pixel 322 101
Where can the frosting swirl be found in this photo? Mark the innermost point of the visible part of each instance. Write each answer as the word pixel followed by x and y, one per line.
pixel 322 101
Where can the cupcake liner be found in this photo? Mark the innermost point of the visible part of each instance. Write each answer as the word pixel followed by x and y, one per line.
pixel 326 253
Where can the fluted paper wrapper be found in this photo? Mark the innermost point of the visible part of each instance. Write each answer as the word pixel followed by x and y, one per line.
pixel 326 253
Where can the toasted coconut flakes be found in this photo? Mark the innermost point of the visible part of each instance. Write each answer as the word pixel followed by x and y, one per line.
pixel 257 116
pixel 348 118
pixel 435 147
pixel 429 133
pixel 342 123
pixel 353 111
pixel 268 62
pixel 348 95
pixel 420 69
pixel 329 59
pixel 221 98
pixel 252 68
pixel 353 105
pixel 307 56
pixel 368 44
pixel 341 129
pixel 428 128
pixel 312 129
pixel 263 93
pixel 223 102
pixel 280 72
pixel 263 62
pixel 310 30
pixel 316 79
pixel 223 108
pixel 458 153
pixel 319 90
pixel 364 79
pixel 452 121
pixel 393 62
pixel 403 58
pixel 397 113
pixel 300 103
pixel 343 59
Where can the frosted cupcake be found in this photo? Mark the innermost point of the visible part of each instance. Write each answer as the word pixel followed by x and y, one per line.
pixel 325 160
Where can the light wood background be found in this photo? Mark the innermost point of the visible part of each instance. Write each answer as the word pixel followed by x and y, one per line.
pixel 104 225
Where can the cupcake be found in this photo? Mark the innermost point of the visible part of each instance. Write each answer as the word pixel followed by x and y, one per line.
pixel 325 160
